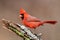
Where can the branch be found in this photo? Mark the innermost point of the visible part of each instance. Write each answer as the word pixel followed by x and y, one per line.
pixel 24 32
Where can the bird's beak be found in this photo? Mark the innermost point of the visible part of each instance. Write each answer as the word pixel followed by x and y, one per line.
pixel 20 15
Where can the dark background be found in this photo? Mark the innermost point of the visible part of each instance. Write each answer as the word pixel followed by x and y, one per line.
pixel 43 9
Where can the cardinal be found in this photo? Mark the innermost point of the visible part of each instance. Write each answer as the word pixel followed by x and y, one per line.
pixel 31 21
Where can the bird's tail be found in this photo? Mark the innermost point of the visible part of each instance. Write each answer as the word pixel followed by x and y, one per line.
pixel 50 22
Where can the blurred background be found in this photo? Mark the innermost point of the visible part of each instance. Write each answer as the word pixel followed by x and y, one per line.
pixel 43 9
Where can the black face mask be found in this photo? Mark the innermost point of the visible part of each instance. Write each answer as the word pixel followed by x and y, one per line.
pixel 22 16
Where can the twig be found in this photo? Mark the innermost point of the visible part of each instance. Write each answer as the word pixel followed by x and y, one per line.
pixel 24 32
pixel 7 25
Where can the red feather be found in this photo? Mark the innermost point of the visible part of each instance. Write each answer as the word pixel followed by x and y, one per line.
pixel 32 22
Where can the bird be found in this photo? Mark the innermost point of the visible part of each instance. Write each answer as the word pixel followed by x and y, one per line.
pixel 31 21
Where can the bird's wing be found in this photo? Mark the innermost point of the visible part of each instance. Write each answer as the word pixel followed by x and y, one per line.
pixel 32 19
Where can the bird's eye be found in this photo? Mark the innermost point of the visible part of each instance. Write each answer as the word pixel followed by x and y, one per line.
pixel 22 14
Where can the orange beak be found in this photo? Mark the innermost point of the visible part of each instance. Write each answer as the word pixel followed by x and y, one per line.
pixel 20 15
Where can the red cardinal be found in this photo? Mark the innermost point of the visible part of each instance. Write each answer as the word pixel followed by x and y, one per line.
pixel 32 22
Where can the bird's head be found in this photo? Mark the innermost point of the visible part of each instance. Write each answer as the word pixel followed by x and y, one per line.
pixel 22 12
